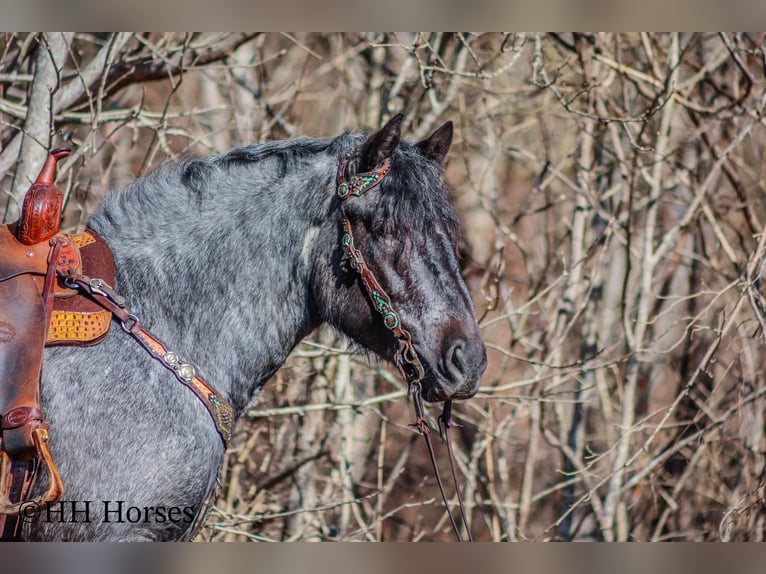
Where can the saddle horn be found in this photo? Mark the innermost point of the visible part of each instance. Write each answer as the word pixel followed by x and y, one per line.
pixel 41 211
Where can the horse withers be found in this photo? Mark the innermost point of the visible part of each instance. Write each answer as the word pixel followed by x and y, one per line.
pixel 232 260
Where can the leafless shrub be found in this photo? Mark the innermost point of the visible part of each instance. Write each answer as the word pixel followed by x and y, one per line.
pixel 612 191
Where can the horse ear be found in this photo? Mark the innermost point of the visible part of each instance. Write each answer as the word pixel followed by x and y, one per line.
pixel 381 144
pixel 437 145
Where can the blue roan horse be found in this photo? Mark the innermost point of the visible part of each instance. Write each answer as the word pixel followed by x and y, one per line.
pixel 232 260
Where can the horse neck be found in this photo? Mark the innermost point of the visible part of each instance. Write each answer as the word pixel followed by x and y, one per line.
pixel 219 267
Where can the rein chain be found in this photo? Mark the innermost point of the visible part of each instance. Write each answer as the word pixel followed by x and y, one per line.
pixel 406 358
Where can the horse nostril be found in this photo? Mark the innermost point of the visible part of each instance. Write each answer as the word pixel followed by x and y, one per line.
pixel 464 361
pixel 457 358
pixel 456 363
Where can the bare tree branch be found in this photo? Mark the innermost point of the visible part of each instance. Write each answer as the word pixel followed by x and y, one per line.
pixel 51 53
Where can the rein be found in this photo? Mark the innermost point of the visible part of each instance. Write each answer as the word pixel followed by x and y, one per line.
pixel 406 358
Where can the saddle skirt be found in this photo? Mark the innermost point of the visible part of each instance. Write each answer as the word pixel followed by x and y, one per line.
pixel 75 319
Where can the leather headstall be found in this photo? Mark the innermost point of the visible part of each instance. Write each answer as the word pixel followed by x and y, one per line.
pixel 406 357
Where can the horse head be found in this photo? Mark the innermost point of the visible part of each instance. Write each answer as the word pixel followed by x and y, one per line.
pixel 404 228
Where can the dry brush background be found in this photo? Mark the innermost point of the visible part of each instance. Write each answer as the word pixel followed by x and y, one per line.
pixel 612 191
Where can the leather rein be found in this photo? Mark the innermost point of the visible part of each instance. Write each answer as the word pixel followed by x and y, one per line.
pixel 221 411
pixel 405 358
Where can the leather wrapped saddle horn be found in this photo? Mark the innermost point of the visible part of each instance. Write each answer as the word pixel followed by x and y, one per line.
pixel 41 211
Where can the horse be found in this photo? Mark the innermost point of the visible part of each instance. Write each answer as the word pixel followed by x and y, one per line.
pixel 232 259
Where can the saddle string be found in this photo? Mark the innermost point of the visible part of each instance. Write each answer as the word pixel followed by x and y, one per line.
pixel 406 357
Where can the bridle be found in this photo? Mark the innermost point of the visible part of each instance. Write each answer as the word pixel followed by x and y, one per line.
pixel 221 411
pixel 405 358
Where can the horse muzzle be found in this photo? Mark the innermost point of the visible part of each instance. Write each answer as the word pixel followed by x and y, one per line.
pixel 455 375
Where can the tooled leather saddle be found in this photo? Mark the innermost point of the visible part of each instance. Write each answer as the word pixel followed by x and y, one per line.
pixel 38 309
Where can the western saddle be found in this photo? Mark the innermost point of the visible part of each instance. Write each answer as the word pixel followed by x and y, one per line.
pixel 39 308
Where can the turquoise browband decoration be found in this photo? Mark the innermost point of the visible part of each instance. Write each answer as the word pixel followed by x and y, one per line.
pixel 360 183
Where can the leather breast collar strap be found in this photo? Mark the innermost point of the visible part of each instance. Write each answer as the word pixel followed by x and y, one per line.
pixel 219 408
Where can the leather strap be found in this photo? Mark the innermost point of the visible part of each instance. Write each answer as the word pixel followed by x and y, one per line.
pixel 445 419
pixel 204 511
pixel 48 285
pixel 406 358
pixel 217 406
pixel 23 473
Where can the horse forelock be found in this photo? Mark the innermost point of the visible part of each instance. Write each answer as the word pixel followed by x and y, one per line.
pixel 415 197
